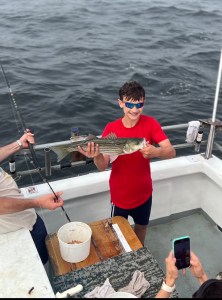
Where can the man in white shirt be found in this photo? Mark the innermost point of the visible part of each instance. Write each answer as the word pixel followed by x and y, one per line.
pixel 16 212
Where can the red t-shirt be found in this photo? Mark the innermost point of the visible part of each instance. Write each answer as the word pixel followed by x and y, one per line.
pixel 130 179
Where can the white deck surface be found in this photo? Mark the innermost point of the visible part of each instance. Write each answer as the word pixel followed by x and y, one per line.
pixel 206 242
pixel 21 268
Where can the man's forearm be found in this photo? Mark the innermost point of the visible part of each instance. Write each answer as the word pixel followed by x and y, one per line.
pixel 8 150
pixel 11 205
pixel 163 293
pixel 203 278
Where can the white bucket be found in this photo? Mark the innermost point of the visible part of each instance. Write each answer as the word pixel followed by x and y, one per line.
pixel 74 232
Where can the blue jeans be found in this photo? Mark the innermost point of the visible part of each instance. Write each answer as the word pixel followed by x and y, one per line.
pixel 39 234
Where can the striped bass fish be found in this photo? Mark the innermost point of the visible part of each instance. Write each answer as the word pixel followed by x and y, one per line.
pixel 109 145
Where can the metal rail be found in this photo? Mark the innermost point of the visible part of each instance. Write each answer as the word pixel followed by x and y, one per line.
pixel 46 148
pixel 61 143
pixel 48 168
pixel 209 148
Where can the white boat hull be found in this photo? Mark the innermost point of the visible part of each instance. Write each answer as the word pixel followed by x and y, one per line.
pixel 180 184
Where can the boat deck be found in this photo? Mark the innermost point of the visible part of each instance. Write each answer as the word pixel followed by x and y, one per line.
pixel 206 242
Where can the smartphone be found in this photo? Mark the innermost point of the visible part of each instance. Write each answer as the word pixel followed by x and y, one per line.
pixel 181 251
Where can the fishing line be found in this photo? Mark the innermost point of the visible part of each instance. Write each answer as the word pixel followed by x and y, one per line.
pixel 24 129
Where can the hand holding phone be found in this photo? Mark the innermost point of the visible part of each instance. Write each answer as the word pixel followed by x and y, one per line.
pixel 181 251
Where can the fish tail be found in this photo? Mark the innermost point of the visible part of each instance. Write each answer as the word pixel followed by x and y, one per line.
pixel 61 152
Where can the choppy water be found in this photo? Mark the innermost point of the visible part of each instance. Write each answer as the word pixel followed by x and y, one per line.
pixel 65 61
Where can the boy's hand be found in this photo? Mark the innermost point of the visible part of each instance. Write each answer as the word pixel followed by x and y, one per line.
pixel 91 151
pixel 149 151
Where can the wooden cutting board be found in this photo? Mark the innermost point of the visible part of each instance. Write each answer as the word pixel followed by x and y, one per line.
pixel 104 244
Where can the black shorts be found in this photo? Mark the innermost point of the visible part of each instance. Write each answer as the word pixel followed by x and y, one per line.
pixel 39 234
pixel 140 214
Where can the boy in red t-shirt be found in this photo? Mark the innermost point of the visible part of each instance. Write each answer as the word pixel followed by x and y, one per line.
pixel 130 179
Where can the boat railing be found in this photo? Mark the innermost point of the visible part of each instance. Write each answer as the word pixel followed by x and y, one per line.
pixel 213 121
pixel 48 156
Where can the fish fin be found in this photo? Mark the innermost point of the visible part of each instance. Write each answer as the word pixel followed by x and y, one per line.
pixel 90 137
pixel 78 138
pixel 60 152
pixel 111 135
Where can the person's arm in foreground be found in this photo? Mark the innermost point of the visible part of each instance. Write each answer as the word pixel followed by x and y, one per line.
pixel 11 205
pixel 196 269
pixel 14 147
pixel 100 160
pixel 172 272
pixel 164 151
pixel 171 275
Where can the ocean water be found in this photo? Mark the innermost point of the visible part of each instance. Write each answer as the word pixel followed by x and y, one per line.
pixel 65 61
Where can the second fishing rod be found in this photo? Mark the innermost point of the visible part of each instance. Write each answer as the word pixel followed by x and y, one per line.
pixel 24 129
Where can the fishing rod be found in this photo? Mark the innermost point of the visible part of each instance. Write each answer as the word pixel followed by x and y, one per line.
pixel 24 128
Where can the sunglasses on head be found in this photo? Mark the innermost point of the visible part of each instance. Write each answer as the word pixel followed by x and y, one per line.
pixel 131 105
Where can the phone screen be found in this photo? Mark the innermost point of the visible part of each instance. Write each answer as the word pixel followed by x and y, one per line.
pixel 181 248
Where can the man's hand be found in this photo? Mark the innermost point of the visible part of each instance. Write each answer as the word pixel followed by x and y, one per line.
pixel 48 201
pixel 171 269
pixel 197 269
pixel 27 138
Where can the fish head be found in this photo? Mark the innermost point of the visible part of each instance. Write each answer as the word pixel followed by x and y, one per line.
pixel 134 144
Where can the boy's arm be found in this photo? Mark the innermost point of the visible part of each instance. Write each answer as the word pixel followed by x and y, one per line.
pixel 100 160
pixel 164 151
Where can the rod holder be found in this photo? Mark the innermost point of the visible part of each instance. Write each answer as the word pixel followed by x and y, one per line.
pixel 48 169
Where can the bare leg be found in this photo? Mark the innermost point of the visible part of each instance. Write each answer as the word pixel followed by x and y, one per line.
pixel 141 231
